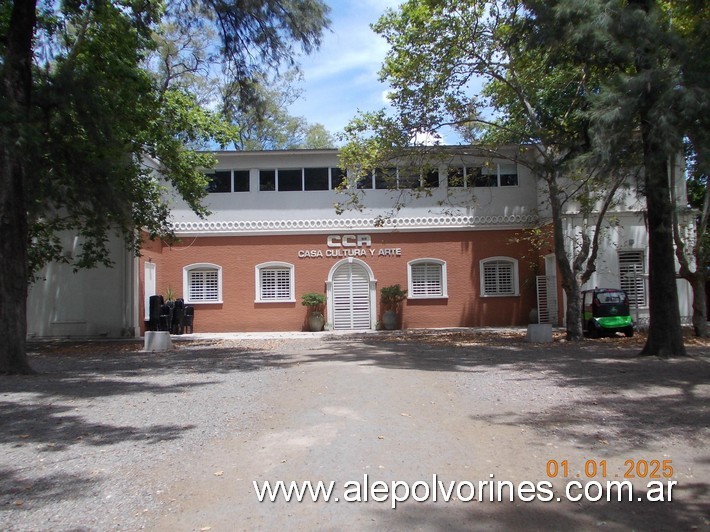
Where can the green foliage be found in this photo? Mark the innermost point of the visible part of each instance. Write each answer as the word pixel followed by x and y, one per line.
pixel 523 73
pixel 89 138
pixel 697 189
pixel 92 104
pixel 657 94
pixel 263 120
pixel 184 57
pixel 314 300
pixel 655 61
pixel 649 100
pixel 107 135
pixel 392 296
pixel 317 137
pixel 245 81
pixel 538 239
pixel 697 180
pixel 103 130
pixel 375 141
pixel 169 294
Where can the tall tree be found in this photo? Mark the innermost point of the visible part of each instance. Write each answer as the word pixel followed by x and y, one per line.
pixel 691 20
pixel 80 117
pixel 186 58
pixel 265 123
pixel 655 96
pixel 317 137
pixel 693 243
pixel 19 20
pixel 533 96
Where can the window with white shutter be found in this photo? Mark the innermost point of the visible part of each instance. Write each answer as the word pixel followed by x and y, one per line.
pixel 499 277
pixel 202 283
pixel 632 278
pixel 274 282
pixel 427 278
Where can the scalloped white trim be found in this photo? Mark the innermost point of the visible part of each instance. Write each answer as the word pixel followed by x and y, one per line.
pixel 371 224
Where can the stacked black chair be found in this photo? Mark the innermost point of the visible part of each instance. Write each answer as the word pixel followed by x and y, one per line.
pixel 166 316
pixel 178 316
pixel 188 318
pixel 155 305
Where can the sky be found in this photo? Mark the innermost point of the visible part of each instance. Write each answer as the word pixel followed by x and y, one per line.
pixel 341 77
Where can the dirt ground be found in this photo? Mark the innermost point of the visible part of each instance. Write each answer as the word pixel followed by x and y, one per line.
pixel 109 437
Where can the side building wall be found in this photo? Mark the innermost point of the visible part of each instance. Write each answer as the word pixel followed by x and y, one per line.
pixel 88 303
pixel 623 262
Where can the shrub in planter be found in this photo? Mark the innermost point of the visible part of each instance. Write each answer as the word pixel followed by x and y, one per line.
pixel 391 298
pixel 315 302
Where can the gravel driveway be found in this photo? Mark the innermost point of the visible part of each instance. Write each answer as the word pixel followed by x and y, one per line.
pixel 108 437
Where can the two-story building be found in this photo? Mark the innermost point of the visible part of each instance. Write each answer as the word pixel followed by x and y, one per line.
pixel 275 233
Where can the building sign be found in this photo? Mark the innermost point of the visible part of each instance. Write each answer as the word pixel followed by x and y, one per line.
pixel 340 246
pixel 349 241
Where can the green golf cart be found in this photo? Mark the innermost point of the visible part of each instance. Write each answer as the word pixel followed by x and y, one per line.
pixel 605 311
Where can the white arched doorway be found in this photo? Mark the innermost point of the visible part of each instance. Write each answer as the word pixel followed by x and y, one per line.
pixel 351 290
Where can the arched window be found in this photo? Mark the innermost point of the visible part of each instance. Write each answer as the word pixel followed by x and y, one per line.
pixel 275 282
pixel 427 278
pixel 202 283
pixel 499 277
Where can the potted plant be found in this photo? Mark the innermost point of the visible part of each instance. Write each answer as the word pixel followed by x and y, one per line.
pixel 315 303
pixel 169 295
pixel 391 298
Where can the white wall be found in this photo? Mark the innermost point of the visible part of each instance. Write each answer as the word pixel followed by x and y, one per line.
pixel 89 303
pixel 626 231
pixel 273 205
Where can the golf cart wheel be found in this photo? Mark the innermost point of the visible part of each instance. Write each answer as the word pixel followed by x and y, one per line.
pixel 593 330
pixel 629 332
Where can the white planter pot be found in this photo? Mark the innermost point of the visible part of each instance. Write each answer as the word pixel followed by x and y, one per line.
pixel 315 321
pixel 389 320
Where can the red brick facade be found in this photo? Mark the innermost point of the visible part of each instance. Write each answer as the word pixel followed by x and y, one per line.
pixel 387 257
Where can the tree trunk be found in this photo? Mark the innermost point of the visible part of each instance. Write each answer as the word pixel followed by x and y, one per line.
pixel 13 264
pixel 14 141
pixel 700 309
pixel 573 315
pixel 665 336
pixel 699 277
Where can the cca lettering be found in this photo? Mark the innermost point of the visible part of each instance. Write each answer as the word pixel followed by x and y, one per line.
pixel 349 241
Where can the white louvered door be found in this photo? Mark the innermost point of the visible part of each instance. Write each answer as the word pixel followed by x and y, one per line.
pixel 351 297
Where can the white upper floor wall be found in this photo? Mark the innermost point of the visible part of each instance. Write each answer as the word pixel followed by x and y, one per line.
pixel 286 191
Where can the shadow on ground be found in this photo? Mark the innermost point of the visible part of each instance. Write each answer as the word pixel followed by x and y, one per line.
pixel 674 515
pixel 17 490
pixel 622 404
pixel 630 401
